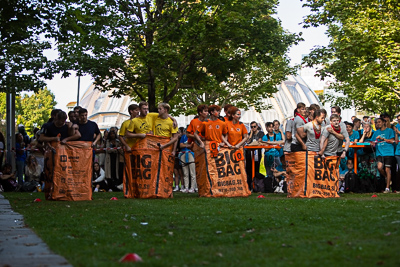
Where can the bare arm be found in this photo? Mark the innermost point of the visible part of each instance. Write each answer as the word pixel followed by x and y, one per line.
pixel 244 140
pixel 300 131
pixel 322 144
pixel 283 136
pixel 123 141
pixel 171 142
pixel 337 135
pixel 197 137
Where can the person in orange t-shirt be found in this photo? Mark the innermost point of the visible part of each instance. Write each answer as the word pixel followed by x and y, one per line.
pixel 213 129
pixel 237 132
pixel 202 111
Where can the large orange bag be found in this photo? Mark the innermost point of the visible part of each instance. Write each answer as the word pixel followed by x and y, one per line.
pixel 68 171
pixel 310 176
pixel 220 176
pixel 148 170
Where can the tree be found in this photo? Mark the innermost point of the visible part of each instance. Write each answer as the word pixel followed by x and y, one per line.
pixel 180 52
pixel 363 54
pixel 31 110
pixel 22 63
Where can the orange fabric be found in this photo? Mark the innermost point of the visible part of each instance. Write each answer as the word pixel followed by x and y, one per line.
pixel 193 126
pixel 310 176
pixel 235 132
pixel 213 130
pixel 68 171
pixel 222 176
pixel 149 172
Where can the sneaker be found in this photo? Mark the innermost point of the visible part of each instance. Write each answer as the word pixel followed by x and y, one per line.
pixel 196 190
pixel 176 189
pixel 386 191
pixel 96 190
pixel 191 191
pixel 183 190
pixel 109 190
pixel 120 187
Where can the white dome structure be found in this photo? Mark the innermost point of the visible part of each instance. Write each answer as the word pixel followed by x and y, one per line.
pixel 110 111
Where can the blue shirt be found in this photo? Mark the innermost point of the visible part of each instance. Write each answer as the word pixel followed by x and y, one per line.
pixel 355 135
pixel 274 152
pixel 397 152
pixel 183 140
pixel 384 149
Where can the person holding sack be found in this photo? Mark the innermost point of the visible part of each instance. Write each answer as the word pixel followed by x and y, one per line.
pixel 312 130
pixel 237 132
pixel 214 129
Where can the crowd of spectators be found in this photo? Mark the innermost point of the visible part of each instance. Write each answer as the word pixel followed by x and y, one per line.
pixel 309 129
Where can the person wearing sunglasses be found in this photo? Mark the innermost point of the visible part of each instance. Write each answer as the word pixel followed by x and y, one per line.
pixel 255 134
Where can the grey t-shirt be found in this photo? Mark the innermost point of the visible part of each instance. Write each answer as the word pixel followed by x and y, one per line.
pixel 289 126
pixel 312 142
pixel 334 144
pixel 298 122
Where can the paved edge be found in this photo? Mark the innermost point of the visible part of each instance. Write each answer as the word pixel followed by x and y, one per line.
pixel 19 245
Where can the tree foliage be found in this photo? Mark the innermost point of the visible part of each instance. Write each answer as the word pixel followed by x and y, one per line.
pixel 31 110
pixel 181 52
pixel 363 54
pixel 22 63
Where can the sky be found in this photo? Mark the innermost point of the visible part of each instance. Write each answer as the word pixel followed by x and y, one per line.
pixel 290 12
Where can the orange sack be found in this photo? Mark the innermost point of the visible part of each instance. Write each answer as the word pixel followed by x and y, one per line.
pixel 221 176
pixel 68 171
pixel 148 170
pixel 310 176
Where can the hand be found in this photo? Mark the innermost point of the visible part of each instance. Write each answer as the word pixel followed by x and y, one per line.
pixel 128 148
pixel 57 139
pixel 303 146
pixel 63 142
pixel 329 129
pixel 343 154
pixel 201 144
pixel 142 135
pixel 150 132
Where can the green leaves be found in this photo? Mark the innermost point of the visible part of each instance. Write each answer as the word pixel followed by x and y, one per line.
pixel 181 52
pixel 363 54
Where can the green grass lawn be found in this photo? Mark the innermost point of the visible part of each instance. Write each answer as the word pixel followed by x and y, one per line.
pixel 355 230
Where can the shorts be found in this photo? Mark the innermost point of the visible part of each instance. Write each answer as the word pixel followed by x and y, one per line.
pixel 387 161
pixel 177 164
pixel 296 147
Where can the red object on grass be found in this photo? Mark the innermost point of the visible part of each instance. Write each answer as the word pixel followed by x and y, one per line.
pixel 260 196
pixel 374 196
pixel 131 257
pixel 37 200
pixel 113 198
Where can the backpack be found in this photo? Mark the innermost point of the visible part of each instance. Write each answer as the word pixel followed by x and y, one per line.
pixel 259 183
pixel 351 182
pixel 29 186
pixel 270 184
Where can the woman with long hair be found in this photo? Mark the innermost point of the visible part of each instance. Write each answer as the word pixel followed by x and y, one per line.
pixel 237 132
pixel 99 182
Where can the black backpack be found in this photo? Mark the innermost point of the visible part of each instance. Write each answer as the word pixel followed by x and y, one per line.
pixel 351 183
pixel 259 185
pixel 270 184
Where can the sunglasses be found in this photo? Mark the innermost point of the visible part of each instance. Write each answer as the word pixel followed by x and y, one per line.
pixel 253 126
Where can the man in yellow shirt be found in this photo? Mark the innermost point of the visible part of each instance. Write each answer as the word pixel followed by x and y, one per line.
pixel 143 124
pixel 128 142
